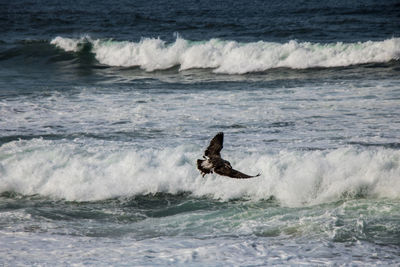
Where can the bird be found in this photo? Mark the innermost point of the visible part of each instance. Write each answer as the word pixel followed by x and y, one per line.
pixel 212 161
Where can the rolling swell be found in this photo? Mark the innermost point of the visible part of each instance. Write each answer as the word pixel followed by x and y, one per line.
pixel 231 57
pixel 34 52
pixel 101 59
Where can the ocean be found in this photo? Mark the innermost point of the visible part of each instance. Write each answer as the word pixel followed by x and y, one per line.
pixel 105 106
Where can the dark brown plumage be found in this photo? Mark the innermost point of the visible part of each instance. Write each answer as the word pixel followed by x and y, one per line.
pixel 213 162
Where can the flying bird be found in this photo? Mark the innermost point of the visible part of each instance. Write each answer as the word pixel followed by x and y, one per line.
pixel 213 162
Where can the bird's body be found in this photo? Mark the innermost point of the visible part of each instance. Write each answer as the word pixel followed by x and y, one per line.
pixel 213 162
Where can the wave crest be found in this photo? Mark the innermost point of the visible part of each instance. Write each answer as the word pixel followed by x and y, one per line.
pixel 232 57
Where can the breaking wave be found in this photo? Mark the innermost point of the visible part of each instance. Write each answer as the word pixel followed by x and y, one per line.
pixel 77 172
pixel 232 57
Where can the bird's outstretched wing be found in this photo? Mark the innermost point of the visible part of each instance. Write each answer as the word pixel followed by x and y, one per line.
pixel 226 171
pixel 215 146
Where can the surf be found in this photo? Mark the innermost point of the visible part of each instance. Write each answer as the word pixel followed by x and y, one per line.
pixel 231 57
pixel 83 172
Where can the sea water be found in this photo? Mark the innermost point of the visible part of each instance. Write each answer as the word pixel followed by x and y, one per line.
pixel 106 106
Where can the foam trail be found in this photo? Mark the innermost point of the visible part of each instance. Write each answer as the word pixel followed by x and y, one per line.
pixel 71 171
pixel 233 57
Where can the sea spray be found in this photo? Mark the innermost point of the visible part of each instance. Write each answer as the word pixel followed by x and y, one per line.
pixel 233 57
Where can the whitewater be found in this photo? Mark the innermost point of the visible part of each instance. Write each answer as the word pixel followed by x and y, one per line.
pixel 82 172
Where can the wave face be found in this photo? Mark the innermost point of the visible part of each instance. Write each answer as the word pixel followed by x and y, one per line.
pixel 232 57
pixel 79 172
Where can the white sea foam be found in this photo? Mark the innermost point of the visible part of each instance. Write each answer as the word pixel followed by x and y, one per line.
pixel 73 171
pixel 233 57
pixel 67 44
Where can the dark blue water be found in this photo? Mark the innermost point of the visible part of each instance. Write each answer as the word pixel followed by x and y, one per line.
pixel 105 106
pixel 281 21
